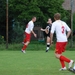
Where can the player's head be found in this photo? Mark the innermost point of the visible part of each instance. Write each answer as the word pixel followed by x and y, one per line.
pixel 49 21
pixel 57 16
pixel 34 19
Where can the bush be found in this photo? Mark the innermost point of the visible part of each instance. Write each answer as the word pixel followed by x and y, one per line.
pixel 2 39
pixel 17 33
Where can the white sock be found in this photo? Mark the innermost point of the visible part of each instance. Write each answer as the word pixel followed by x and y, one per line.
pixel 47 48
pixel 48 45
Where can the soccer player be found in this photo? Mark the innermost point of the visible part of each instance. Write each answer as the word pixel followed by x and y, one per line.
pixel 28 31
pixel 60 28
pixel 47 31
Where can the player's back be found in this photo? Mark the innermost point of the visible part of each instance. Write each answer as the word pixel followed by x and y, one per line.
pixel 61 28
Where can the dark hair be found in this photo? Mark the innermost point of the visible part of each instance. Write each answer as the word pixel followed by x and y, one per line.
pixel 57 16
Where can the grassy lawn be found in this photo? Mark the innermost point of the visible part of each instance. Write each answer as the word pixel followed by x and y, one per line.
pixel 32 63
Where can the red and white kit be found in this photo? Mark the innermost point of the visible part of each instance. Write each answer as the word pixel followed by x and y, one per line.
pixel 60 28
pixel 28 30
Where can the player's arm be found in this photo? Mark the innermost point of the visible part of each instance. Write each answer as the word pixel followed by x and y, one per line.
pixel 42 29
pixel 51 33
pixel 46 31
pixel 51 38
pixel 68 33
pixel 31 29
pixel 34 33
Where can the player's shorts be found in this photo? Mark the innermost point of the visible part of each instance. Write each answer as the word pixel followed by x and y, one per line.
pixel 27 37
pixel 60 47
pixel 48 35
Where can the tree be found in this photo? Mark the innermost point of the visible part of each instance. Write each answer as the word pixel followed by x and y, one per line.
pixel 2 17
pixel 23 10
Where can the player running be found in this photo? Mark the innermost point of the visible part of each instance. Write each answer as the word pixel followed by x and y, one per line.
pixel 60 29
pixel 28 31
pixel 47 31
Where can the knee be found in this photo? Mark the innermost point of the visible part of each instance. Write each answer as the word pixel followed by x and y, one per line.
pixel 57 56
pixel 27 43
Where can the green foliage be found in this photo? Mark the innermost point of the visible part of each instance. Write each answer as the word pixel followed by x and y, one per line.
pixel 34 46
pixel 2 39
pixel 23 10
pixel 2 11
pixel 2 17
pixel 17 35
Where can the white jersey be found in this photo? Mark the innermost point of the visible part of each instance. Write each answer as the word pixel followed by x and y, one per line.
pixel 29 27
pixel 60 28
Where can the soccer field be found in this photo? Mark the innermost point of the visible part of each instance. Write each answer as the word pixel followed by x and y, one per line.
pixel 32 63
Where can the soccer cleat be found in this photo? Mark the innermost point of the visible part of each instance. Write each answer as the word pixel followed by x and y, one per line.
pixel 71 70
pixel 62 69
pixel 46 50
pixel 23 51
pixel 71 63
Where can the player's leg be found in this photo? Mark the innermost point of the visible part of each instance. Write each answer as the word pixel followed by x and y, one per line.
pixel 27 41
pixel 24 40
pixel 48 44
pixel 58 53
pixel 60 47
pixel 25 46
pixel 62 64
pixel 64 57
pixel 63 67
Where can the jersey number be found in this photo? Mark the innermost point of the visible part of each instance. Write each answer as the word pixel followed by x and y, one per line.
pixel 63 29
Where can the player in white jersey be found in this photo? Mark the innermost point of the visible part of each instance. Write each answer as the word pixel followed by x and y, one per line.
pixel 60 28
pixel 28 31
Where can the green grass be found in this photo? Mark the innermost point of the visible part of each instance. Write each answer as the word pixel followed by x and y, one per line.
pixel 31 47
pixel 32 63
pixel 34 45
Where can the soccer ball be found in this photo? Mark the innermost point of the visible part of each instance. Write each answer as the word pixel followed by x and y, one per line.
pixel 72 69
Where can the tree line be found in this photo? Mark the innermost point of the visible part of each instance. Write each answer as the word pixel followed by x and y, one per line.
pixel 21 11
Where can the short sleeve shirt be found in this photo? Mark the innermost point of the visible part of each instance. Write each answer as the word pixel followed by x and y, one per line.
pixel 29 27
pixel 60 28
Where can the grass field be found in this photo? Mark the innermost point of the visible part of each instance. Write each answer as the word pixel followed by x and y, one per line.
pixel 32 63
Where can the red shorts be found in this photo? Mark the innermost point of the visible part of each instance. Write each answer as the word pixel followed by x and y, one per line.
pixel 27 37
pixel 60 47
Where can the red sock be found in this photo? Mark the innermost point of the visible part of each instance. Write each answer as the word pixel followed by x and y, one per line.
pixel 64 59
pixel 62 63
pixel 24 47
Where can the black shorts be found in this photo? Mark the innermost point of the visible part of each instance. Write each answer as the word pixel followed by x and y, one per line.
pixel 48 35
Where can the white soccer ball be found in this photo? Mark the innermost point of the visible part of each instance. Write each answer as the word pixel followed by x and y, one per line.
pixel 74 67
